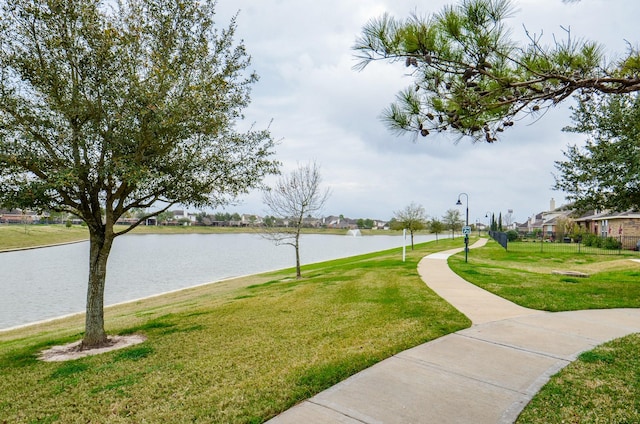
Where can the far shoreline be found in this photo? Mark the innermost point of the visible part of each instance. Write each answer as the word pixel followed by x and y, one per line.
pixel 171 230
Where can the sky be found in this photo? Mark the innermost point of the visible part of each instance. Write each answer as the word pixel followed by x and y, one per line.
pixel 320 109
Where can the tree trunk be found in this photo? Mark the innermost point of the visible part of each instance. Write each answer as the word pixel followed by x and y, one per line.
pixel 100 246
pixel 297 246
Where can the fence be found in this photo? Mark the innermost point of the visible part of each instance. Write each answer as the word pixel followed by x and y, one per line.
pixel 500 237
pixel 592 244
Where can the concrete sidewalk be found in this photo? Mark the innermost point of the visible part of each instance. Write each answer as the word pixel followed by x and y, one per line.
pixel 484 374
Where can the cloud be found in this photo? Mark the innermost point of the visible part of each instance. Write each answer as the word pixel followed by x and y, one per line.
pixel 323 110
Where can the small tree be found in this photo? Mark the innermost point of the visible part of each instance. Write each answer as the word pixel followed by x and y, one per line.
pixel 294 196
pixel 412 218
pixel 452 220
pixel 436 226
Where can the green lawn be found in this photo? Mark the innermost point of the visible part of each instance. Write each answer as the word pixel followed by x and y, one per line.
pixel 603 385
pixel 240 351
pixel 243 350
pixel 526 278
pixel 25 236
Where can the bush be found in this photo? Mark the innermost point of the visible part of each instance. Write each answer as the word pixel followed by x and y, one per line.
pixel 512 235
pixel 603 242
pixel 611 243
pixel 591 240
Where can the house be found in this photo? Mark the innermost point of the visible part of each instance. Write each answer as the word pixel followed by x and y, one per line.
pixel 547 223
pixel 622 225
pixel 339 222
pixel 248 220
pixel 18 216
pixel 611 224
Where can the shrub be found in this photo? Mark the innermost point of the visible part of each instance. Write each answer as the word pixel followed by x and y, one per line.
pixel 591 240
pixel 512 235
pixel 611 243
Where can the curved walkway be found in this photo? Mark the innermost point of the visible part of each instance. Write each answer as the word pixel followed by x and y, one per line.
pixel 484 374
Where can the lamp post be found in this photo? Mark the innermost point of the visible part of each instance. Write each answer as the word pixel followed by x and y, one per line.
pixel 489 215
pixel 466 236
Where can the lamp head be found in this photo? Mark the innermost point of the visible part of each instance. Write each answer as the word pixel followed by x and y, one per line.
pixel 459 203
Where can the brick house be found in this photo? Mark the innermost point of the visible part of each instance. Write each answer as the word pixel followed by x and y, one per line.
pixel 623 225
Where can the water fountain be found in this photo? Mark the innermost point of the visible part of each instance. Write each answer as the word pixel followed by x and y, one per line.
pixel 354 233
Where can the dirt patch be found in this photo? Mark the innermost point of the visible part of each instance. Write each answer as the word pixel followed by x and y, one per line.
pixel 571 273
pixel 72 351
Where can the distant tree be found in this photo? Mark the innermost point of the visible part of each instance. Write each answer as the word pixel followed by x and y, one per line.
pixel 107 106
pixel 412 218
pixel 269 221
pixel 436 226
pixel 604 173
pixel 365 223
pixel 452 220
pixel 222 216
pixel 508 218
pixel 165 217
pixel 200 216
pixel 470 78
pixel 500 222
pixel 494 223
pixel 294 196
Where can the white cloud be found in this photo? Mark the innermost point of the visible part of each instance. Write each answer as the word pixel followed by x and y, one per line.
pixel 323 110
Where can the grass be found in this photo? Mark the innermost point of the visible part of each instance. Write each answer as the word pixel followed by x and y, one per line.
pixel 603 385
pixel 526 278
pixel 239 351
pixel 26 236
pixel 242 350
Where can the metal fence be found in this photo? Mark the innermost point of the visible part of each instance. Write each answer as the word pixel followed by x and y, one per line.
pixel 592 244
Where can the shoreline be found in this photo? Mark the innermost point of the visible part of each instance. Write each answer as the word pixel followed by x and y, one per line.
pixel 74 314
pixel 42 246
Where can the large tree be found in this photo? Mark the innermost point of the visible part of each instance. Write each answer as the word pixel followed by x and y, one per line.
pixel 412 218
pixel 605 172
pixel 294 197
pixel 107 107
pixel 470 78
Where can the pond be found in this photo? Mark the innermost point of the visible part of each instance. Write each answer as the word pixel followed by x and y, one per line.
pixel 50 282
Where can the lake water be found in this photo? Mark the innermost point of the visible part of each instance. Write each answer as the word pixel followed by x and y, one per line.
pixel 50 282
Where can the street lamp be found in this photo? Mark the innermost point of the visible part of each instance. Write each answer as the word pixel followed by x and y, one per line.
pixel 489 215
pixel 466 236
